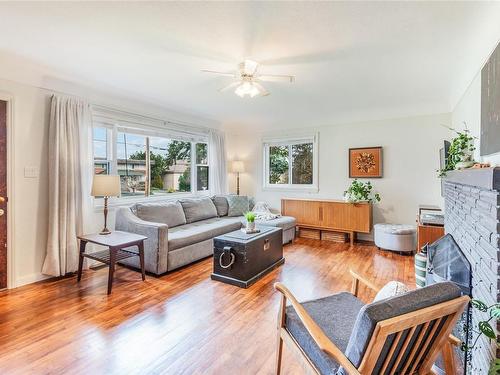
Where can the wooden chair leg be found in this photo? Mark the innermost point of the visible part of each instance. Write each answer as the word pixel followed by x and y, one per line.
pixel 281 323
pixel 449 359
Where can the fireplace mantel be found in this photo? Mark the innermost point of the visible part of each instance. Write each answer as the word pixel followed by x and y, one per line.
pixel 481 178
pixel 472 217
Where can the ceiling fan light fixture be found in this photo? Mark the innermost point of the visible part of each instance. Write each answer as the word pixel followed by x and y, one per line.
pixel 247 88
pixel 250 78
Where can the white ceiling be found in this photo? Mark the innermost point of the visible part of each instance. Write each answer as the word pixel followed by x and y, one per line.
pixel 353 61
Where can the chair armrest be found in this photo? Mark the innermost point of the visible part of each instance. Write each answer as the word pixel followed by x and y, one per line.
pixel 319 337
pixel 355 283
pixel 454 340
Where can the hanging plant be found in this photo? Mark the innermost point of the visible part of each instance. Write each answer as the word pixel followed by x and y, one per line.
pixel 460 153
pixel 361 192
pixel 484 328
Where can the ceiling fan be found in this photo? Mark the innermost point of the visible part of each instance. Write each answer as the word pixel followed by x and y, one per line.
pixel 248 79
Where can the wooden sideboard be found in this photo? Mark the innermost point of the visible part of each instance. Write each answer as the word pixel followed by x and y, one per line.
pixel 428 234
pixel 329 215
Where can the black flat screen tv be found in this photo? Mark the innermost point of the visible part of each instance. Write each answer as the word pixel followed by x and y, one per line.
pixel 490 104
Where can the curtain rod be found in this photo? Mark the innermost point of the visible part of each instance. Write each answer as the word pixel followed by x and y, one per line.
pixel 53 91
pixel 165 122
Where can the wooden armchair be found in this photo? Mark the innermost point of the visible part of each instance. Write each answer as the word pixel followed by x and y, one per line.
pixel 401 335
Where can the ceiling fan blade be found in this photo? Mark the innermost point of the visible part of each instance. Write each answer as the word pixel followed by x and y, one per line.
pixel 276 78
pixel 262 90
pixel 227 74
pixel 230 86
pixel 249 67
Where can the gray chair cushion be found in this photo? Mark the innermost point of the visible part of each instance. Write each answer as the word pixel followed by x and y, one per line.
pixel 220 202
pixel 375 312
pixel 336 316
pixel 197 209
pixel 199 231
pixel 170 213
pixel 238 205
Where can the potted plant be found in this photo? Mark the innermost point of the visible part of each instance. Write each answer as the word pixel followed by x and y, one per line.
pixel 484 328
pixel 361 192
pixel 250 217
pixel 460 153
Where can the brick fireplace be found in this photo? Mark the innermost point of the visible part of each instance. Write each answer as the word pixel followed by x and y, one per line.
pixel 472 214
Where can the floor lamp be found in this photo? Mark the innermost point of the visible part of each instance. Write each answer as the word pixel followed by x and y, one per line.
pixel 238 167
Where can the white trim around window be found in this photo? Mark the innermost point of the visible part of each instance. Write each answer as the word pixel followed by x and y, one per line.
pixel 286 144
pixel 111 161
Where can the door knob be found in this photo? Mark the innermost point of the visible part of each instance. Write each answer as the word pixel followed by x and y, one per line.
pixel 1 212
pixel 2 199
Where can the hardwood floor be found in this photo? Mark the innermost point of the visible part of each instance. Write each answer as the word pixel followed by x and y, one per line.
pixel 181 323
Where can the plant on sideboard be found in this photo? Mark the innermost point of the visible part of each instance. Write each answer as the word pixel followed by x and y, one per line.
pixel 484 328
pixel 361 192
pixel 460 153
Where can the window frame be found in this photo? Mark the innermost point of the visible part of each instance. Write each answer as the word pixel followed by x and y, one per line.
pixel 196 165
pixel 109 151
pixel 267 143
pixel 112 134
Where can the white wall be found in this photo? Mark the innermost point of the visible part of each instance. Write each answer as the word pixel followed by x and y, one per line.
pixel 28 197
pixel 410 156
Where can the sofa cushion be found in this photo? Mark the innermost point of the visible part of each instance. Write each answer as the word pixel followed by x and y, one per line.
pixel 375 312
pixel 336 316
pixel 200 231
pixel 283 222
pixel 197 209
pixel 220 202
pixel 170 213
pixel 238 205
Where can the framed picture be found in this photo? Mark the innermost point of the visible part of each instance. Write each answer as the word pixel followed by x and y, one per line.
pixel 365 162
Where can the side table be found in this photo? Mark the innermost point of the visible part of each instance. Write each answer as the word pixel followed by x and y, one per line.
pixel 116 241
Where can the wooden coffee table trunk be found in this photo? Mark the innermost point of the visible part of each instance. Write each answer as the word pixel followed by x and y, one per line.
pixel 241 259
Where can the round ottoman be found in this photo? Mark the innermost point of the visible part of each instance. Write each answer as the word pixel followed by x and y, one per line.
pixel 395 237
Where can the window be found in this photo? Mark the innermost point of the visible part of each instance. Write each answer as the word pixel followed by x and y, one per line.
pixel 291 163
pixel 101 151
pixel 171 167
pixel 202 166
pixel 131 164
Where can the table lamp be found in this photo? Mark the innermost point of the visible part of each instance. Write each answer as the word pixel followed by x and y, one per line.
pixel 238 167
pixel 105 186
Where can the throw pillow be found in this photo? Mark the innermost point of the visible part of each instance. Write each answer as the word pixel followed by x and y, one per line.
pixel 251 203
pixel 170 213
pixel 198 209
pixel 391 289
pixel 221 205
pixel 238 205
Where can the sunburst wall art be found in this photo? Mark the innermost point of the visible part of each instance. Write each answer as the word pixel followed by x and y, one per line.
pixel 365 162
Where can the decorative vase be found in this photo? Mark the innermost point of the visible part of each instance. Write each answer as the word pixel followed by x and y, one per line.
pixel 250 226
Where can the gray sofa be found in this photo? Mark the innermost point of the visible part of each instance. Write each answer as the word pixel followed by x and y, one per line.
pixel 180 232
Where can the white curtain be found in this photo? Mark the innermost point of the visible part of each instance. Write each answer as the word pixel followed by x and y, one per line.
pixel 217 162
pixel 70 172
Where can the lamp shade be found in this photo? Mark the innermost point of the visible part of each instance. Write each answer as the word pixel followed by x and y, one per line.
pixel 105 185
pixel 237 166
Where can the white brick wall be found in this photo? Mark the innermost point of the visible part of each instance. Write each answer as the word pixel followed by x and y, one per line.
pixel 472 218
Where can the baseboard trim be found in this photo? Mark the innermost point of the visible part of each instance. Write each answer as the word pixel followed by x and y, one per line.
pixel 29 279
